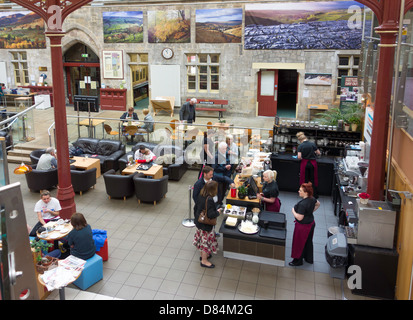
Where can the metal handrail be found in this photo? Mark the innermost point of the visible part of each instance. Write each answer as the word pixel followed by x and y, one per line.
pixel 50 136
pixel 20 113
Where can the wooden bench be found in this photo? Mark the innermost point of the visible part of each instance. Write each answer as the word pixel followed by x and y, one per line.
pixel 212 105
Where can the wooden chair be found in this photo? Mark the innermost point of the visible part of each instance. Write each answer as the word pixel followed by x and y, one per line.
pixel 130 131
pixel 109 131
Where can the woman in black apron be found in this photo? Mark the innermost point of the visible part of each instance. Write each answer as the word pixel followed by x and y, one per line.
pixel 307 152
pixel 304 226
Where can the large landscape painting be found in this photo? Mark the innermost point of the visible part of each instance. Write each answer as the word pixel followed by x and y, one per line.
pixel 309 25
pixel 123 27
pixel 21 30
pixel 169 26
pixel 219 25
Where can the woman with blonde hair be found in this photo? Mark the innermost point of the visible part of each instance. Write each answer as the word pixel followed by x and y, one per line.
pixel 307 152
pixel 269 194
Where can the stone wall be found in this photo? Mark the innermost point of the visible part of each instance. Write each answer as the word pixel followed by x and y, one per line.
pixel 238 78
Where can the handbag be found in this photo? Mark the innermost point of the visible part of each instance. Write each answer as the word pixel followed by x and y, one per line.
pixel 203 217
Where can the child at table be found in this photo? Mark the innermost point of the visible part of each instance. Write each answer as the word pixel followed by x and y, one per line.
pixel 143 155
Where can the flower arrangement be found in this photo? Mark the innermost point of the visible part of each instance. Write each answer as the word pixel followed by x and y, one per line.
pixel 364 195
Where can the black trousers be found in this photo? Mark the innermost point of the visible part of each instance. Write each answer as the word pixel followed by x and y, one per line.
pixel 309 176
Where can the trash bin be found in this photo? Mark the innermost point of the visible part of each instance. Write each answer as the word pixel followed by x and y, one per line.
pixel 336 253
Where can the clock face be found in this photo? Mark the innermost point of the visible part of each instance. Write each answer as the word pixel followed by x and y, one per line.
pixel 167 53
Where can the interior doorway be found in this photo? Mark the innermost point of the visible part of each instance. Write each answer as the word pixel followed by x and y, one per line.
pixel 82 69
pixel 287 93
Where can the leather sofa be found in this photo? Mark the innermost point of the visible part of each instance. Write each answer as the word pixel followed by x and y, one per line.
pixel 150 190
pixel 83 180
pixel 107 151
pixel 8 137
pixel 119 186
pixel 35 155
pixel 174 170
pixel 41 179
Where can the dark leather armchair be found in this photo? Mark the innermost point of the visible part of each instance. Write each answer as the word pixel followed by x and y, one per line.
pixel 150 190
pixel 83 180
pixel 41 179
pixel 36 154
pixel 107 151
pixel 119 186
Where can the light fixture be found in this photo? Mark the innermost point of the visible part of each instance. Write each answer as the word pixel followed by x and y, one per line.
pixel 22 169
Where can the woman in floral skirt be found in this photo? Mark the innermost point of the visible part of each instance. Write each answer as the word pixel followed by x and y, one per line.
pixel 205 239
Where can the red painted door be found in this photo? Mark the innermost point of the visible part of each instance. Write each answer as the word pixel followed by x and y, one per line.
pixel 267 92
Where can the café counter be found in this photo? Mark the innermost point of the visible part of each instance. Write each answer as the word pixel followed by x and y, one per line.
pixel 256 247
pixel 288 173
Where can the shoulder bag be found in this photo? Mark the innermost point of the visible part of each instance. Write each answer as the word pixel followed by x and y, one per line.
pixel 203 217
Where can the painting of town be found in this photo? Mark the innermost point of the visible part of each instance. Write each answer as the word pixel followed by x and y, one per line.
pixel 123 27
pixel 315 25
pixel 21 30
pixel 169 26
pixel 218 25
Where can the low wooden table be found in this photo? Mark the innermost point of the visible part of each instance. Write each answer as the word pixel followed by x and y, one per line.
pixel 156 171
pixel 87 163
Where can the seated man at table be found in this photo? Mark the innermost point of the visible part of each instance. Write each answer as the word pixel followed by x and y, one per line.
pixel 207 175
pixel 144 155
pixel 47 209
pixel 129 115
pixel 147 123
pixel 47 160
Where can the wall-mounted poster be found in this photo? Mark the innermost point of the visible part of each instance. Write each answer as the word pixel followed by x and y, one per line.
pixel 218 25
pixel 169 26
pixel 309 25
pixel 113 64
pixel 123 27
pixel 318 79
pixel 21 30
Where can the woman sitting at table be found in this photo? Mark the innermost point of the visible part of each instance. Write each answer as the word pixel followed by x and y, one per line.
pixel 269 194
pixel 80 239
pixel 143 155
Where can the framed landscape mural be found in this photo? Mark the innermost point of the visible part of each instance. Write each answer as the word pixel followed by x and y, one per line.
pixel 218 25
pixel 123 27
pixel 169 26
pixel 21 30
pixel 318 79
pixel 313 25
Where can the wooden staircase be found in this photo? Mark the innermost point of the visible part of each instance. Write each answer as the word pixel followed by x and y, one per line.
pixel 21 153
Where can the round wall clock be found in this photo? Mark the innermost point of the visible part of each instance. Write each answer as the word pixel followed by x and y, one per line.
pixel 167 53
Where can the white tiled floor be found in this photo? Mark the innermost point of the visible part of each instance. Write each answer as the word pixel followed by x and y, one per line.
pixel 151 255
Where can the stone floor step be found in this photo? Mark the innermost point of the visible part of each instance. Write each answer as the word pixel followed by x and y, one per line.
pixel 18 159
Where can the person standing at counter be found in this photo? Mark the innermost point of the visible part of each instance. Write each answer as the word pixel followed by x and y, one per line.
pixel 307 152
pixel 269 194
pixel 303 211
pixel 205 238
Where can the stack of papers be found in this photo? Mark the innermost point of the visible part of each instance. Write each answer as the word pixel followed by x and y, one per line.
pixel 68 271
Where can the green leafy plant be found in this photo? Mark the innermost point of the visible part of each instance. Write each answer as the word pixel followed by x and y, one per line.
pixel 39 247
pixel 353 113
pixel 242 190
pixel 330 117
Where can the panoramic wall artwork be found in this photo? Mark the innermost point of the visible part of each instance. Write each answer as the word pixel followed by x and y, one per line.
pixel 123 27
pixel 169 26
pixel 21 30
pixel 315 25
pixel 218 25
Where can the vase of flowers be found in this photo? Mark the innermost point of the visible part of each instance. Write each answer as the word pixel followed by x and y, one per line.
pixel 364 197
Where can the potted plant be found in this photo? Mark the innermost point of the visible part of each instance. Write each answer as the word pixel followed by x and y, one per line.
pixel 242 192
pixel 353 113
pixel 330 117
pixel 355 121
pixel 43 263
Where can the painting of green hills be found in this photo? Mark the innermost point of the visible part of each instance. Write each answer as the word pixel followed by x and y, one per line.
pixel 123 27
